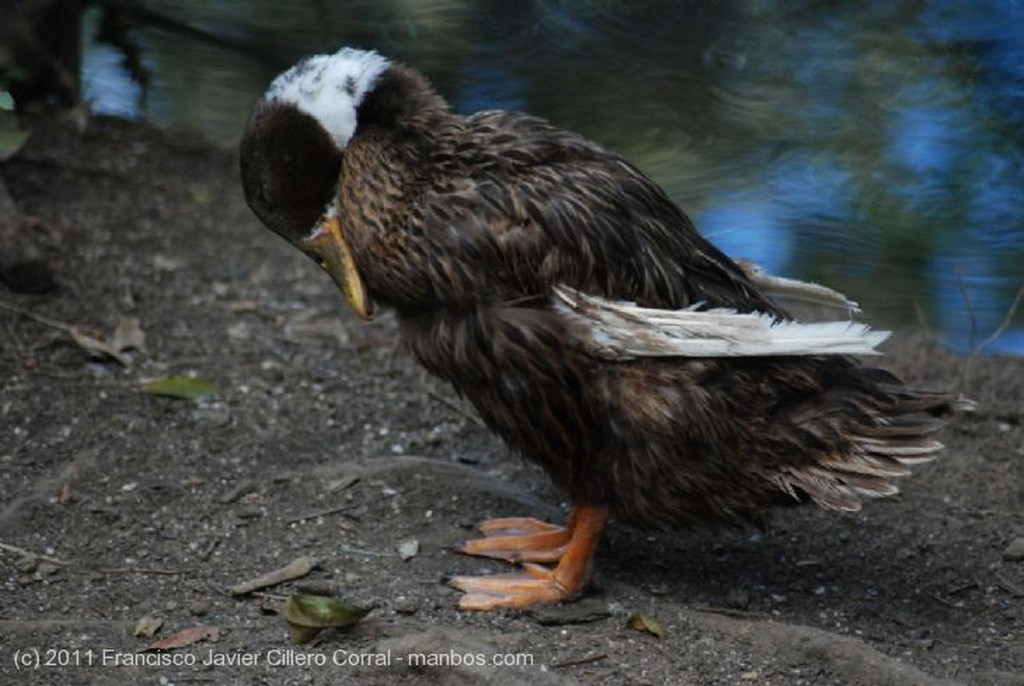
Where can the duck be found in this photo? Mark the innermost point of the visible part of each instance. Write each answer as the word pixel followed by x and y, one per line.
pixel 563 293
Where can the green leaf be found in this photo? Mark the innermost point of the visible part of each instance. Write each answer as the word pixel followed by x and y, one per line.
pixel 642 622
pixel 308 614
pixel 185 387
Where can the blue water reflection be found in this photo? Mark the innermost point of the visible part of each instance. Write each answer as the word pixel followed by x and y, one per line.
pixel 878 149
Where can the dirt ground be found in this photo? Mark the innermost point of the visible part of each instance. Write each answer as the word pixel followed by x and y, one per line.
pixel 324 440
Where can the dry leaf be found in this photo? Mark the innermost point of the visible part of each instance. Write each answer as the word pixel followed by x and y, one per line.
pixel 128 335
pixel 98 348
pixel 184 387
pixel 186 637
pixel 147 626
pixel 642 622
pixel 298 568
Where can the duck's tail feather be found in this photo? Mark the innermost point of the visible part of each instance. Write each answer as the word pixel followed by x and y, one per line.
pixel 884 449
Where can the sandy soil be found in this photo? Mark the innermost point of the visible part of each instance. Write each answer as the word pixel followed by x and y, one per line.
pixel 324 440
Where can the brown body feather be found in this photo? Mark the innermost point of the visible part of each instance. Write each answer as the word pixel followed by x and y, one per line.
pixel 464 225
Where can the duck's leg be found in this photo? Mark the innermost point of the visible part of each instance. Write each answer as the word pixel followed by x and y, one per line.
pixel 535 583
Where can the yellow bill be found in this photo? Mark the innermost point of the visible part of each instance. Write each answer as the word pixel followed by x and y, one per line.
pixel 329 247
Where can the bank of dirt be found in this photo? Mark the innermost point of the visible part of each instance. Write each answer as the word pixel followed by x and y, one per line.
pixel 325 440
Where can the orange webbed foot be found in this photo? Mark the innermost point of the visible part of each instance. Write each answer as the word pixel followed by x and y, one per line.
pixel 531 540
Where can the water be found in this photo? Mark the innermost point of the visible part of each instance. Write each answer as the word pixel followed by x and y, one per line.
pixel 879 150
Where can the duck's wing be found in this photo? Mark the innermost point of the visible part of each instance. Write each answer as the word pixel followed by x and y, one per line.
pixel 561 209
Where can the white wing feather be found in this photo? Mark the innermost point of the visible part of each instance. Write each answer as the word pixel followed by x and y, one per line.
pixel 622 329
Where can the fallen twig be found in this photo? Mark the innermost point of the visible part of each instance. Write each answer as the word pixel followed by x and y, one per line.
pixel 948 603
pixel 40 319
pixel 325 513
pixel 965 586
pixel 28 553
pixel 109 348
pixel 141 570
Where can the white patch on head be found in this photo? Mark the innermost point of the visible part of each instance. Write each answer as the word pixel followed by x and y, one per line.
pixel 330 88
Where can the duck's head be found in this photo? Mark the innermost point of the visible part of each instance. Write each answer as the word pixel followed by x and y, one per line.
pixel 291 154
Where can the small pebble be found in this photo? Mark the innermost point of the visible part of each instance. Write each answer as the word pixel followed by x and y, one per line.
pixel 1015 551
pixel 408 549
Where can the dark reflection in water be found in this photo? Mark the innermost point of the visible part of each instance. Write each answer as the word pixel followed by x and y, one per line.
pixel 879 150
